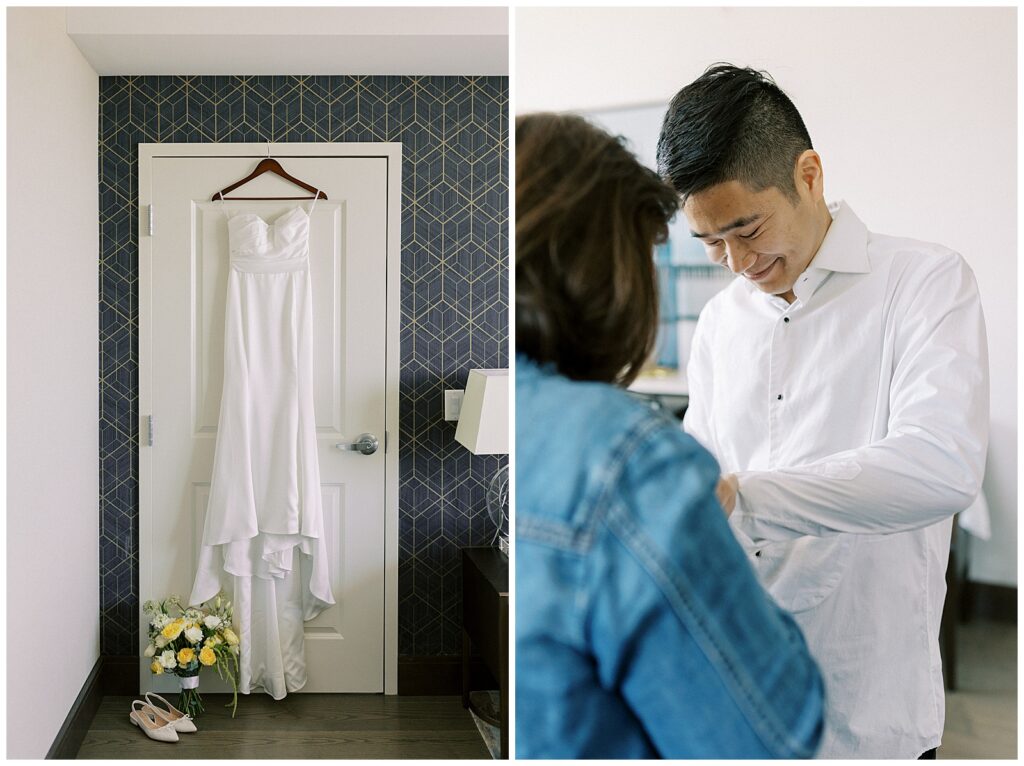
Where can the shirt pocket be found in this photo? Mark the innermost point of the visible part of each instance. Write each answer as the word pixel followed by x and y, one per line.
pixel 800 574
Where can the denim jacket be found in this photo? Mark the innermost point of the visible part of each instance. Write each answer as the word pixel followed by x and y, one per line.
pixel 641 630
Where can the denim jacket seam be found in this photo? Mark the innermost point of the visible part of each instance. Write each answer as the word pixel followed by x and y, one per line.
pixel 622 524
pixel 556 535
pixel 628 444
pixel 580 538
pixel 567 540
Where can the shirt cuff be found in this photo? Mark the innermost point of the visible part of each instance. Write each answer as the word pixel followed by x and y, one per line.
pixel 747 518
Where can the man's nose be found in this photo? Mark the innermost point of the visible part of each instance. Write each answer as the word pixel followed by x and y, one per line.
pixel 737 257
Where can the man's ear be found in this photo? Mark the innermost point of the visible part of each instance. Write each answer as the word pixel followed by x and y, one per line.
pixel 808 174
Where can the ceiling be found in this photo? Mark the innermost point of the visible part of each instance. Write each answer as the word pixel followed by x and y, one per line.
pixel 290 41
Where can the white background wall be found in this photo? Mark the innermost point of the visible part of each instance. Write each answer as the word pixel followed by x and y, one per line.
pixel 52 370
pixel 285 40
pixel 914 111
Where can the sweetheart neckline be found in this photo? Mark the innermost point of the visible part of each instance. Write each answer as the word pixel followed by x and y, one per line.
pixel 262 220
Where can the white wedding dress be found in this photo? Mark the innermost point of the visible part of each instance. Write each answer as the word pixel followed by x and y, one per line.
pixel 263 540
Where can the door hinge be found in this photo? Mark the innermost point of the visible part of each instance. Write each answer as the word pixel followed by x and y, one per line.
pixel 149 430
pixel 151 220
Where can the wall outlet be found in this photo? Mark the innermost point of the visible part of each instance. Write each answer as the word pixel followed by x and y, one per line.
pixel 453 403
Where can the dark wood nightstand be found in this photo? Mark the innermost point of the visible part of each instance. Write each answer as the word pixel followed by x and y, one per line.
pixel 485 626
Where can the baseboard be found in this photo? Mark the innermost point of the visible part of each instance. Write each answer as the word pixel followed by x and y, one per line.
pixel 989 602
pixel 72 731
pixel 427 675
pixel 120 675
pixel 441 675
pixel 416 675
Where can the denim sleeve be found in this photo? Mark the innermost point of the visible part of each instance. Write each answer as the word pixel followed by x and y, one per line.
pixel 680 625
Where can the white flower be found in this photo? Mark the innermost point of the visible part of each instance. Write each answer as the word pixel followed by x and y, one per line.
pixel 194 634
pixel 168 660
pixel 193 615
pixel 212 622
pixel 160 621
pixel 161 642
pixel 150 650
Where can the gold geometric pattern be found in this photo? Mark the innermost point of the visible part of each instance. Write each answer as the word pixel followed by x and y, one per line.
pixel 454 301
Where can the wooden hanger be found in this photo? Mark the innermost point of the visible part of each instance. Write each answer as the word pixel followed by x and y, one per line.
pixel 270 166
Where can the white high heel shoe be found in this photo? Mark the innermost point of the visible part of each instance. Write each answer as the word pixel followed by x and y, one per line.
pixel 181 721
pixel 152 723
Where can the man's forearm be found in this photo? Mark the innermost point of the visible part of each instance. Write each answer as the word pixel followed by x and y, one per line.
pixel 902 482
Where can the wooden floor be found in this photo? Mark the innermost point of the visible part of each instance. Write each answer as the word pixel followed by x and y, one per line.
pixel 981 715
pixel 299 726
pixel 981 719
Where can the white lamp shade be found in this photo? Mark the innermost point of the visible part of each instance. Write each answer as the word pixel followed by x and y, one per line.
pixel 483 419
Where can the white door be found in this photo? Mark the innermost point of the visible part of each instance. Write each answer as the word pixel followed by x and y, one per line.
pixel 183 283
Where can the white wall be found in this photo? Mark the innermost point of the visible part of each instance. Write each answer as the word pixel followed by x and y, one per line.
pixel 277 41
pixel 914 111
pixel 52 377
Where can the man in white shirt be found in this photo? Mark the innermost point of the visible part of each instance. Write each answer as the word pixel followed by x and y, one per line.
pixel 842 383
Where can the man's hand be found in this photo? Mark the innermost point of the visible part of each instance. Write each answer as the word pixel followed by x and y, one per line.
pixel 726 491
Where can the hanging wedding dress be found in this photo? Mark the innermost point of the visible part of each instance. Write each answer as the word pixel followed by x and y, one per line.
pixel 263 540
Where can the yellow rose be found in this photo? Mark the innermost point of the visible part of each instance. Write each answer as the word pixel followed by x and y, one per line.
pixel 185 656
pixel 157 668
pixel 230 637
pixel 207 656
pixel 173 629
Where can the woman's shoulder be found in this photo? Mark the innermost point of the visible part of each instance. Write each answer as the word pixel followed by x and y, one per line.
pixel 585 412
pixel 576 441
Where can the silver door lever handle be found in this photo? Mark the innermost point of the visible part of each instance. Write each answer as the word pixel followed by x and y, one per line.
pixel 366 443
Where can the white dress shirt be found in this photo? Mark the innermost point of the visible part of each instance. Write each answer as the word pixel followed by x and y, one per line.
pixel 856 420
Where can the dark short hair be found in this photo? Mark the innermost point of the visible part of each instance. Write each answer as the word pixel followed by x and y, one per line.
pixel 731 124
pixel 588 215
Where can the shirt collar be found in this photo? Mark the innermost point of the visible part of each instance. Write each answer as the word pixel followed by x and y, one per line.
pixel 844 249
pixel 845 246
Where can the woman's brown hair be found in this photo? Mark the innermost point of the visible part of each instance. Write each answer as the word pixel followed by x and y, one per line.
pixel 588 215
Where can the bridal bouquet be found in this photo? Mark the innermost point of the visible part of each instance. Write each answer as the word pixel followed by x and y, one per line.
pixel 184 640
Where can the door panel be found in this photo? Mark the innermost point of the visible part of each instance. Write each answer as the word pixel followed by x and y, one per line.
pixel 181 361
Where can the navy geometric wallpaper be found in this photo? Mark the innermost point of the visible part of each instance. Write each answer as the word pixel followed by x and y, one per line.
pixel 454 301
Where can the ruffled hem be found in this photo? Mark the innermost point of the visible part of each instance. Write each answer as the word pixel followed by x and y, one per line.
pixel 278 686
pixel 275 591
pixel 266 556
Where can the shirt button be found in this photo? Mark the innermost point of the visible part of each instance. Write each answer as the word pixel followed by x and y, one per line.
pixel 779 397
pixel 757 553
pixel 785 319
